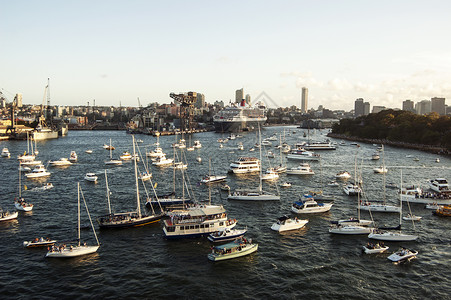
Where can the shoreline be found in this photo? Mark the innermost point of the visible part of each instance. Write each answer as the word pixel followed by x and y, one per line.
pixel 425 148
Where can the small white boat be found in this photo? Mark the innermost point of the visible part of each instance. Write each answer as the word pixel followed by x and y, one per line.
pixel 199 159
pixel 225 187
pixel 286 184
pixel 416 159
pixel 237 248
pixel 20 204
pixel 302 169
pixel 285 224
pixel 46 186
pixel 252 150
pixel 410 217
pixel 270 175
pixel 343 175
pixel 180 166
pixel 24 168
pixel 371 248
pixel 380 170
pixel 190 149
pixel 139 141
pixel 125 156
pixel 221 146
pixel 5 153
pixel 62 162
pixel 433 206
pixel 375 156
pixel 333 183
pixel 402 255
pixel 92 177
pixel 270 154
pixel 73 157
pixel 226 235
pixel 308 205
pixel 145 176
pixel 162 161
pixel 213 178
pixel 240 147
pixel 89 151
pixel 39 171
pixel 352 190
pixel 437 160
pixel 6 215
pixel 197 144
pixel 39 242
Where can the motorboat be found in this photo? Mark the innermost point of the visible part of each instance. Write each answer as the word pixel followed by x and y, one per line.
pixel 24 168
pixel 226 235
pixel 145 176
pixel 252 149
pixel 237 248
pixel 380 170
pixel 190 148
pixel 375 156
pixel 439 185
pixel 332 183
pixel 286 184
pixel 198 221
pixel 402 255
pixel 7 216
pixel 270 154
pixel 20 204
pixel 433 206
pixel 286 149
pixel 199 159
pixel 88 151
pixel 371 248
pixel 126 156
pixel 352 189
pixel 45 187
pixel 180 165
pixel 38 172
pixel 285 224
pixel 39 242
pixel 437 160
pixel 252 195
pixel 343 175
pixel 158 152
pixel 162 161
pixel 30 162
pixel 302 169
pixel 108 147
pixel 91 177
pixel 302 154
pixel 443 211
pixel 78 249
pixel 62 162
pixel 213 178
pixel 197 144
pixel 240 147
pixel 245 165
pixel 225 187
pixel 73 157
pixel 308 205
pixel 270 174
pixel 411 217
pixel 5 153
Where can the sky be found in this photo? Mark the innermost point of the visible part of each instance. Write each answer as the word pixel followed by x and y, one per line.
pixel 115 52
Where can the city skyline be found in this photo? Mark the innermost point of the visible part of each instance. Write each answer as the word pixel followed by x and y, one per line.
pixel 115 52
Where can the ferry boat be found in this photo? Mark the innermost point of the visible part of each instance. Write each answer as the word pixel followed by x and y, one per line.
pixel 443 211
pixel 416 195
pixel 439 185
pixel 302 169
pixel 198 221
pixel 327 145
pixel 237 248
pixel 245 165
pixel 241 117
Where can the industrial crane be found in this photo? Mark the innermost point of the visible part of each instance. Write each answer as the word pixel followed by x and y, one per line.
pixel 186 101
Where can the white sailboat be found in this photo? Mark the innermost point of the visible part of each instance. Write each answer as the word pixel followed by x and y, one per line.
pixel 112 162
pixel 20 202
pixel 79 249
pixel 393 236
pixel 254 195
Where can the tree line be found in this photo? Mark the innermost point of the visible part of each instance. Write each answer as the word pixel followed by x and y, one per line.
pixel 399 126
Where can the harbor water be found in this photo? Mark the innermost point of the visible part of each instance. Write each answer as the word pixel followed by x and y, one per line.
pixel 141 263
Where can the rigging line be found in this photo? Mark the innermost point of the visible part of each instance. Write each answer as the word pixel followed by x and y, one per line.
pixel 89 215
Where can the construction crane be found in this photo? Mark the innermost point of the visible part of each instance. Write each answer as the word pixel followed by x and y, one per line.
pixel 186 101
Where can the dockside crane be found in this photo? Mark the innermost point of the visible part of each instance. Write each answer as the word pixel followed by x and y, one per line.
pixel 186 101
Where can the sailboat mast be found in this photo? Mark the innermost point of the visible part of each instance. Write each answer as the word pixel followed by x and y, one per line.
pixel 209 176
pixel 111 157
pixel 400 204
pixel 28 144
pixel 20 192
pixel 260 143
pixel 108 193
pixel 136 179
pixel 383 171
pixel 78 207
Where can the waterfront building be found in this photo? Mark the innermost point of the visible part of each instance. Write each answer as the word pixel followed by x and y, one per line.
pixel 304 100
pixel 239 95
pixel 408 105
pixel 438 105
pixel 359 107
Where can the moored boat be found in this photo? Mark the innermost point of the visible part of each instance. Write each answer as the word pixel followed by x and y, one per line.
pixel 308 205
pixel 226 235
pixel 38 171
pixel 285 223
pixel 39 242
pixel 62 162
pixel 92 177
pixel 402 255
pixel 5 153
pixel 237 248
pixel 7 216
pixel 443 211
pixel 371 248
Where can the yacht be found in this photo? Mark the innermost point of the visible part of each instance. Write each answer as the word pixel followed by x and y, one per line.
pixel 91 177
pixel 302 169
pixel 73 157
pixel 196 222
pixel 439 185
pixel 245 165
pixel 302 154
pixel 5 152
pixel 62 162
pixel 38 171
pixel 285 224
pixel 252 195
pixel 309 206
pixel 213 178
pixel 125 156
pixel 379 207
pixel 414 194
pixel 158 152
pixel 197 144
pixel 380 170
pixel 237 248
pixel 352 189
pixel 343 175
pixel 270 174
pixel 402 255
pixel 226 235
pixel 163 161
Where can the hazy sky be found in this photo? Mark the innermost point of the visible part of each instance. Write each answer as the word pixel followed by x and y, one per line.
pixel 117 51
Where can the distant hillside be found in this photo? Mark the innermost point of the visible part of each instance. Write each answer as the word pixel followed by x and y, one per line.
pixel 399 126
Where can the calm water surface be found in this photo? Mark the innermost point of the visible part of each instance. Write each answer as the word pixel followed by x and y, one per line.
pixel 140 263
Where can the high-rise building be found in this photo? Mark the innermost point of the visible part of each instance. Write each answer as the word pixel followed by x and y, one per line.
pixel 408 105
pixel 423 107
pixel 18 99
pixel 248 99
pixel 359 107
pixel 200 101
pixel 304 100
pixel 366 108
pixel 239 95
pixel 377 109
pixel 438 105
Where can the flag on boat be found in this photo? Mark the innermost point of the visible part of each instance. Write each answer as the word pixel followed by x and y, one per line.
pixel 155 186
pixel 25 187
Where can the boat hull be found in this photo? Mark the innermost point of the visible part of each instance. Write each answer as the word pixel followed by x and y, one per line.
pixel 392 237
pixel 134 222
pixel 293 225
pixel 45 135
pixel 76 251
pixel 350 230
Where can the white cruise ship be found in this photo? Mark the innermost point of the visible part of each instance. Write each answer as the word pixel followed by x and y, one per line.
pixel 245 165
pixel 241 117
